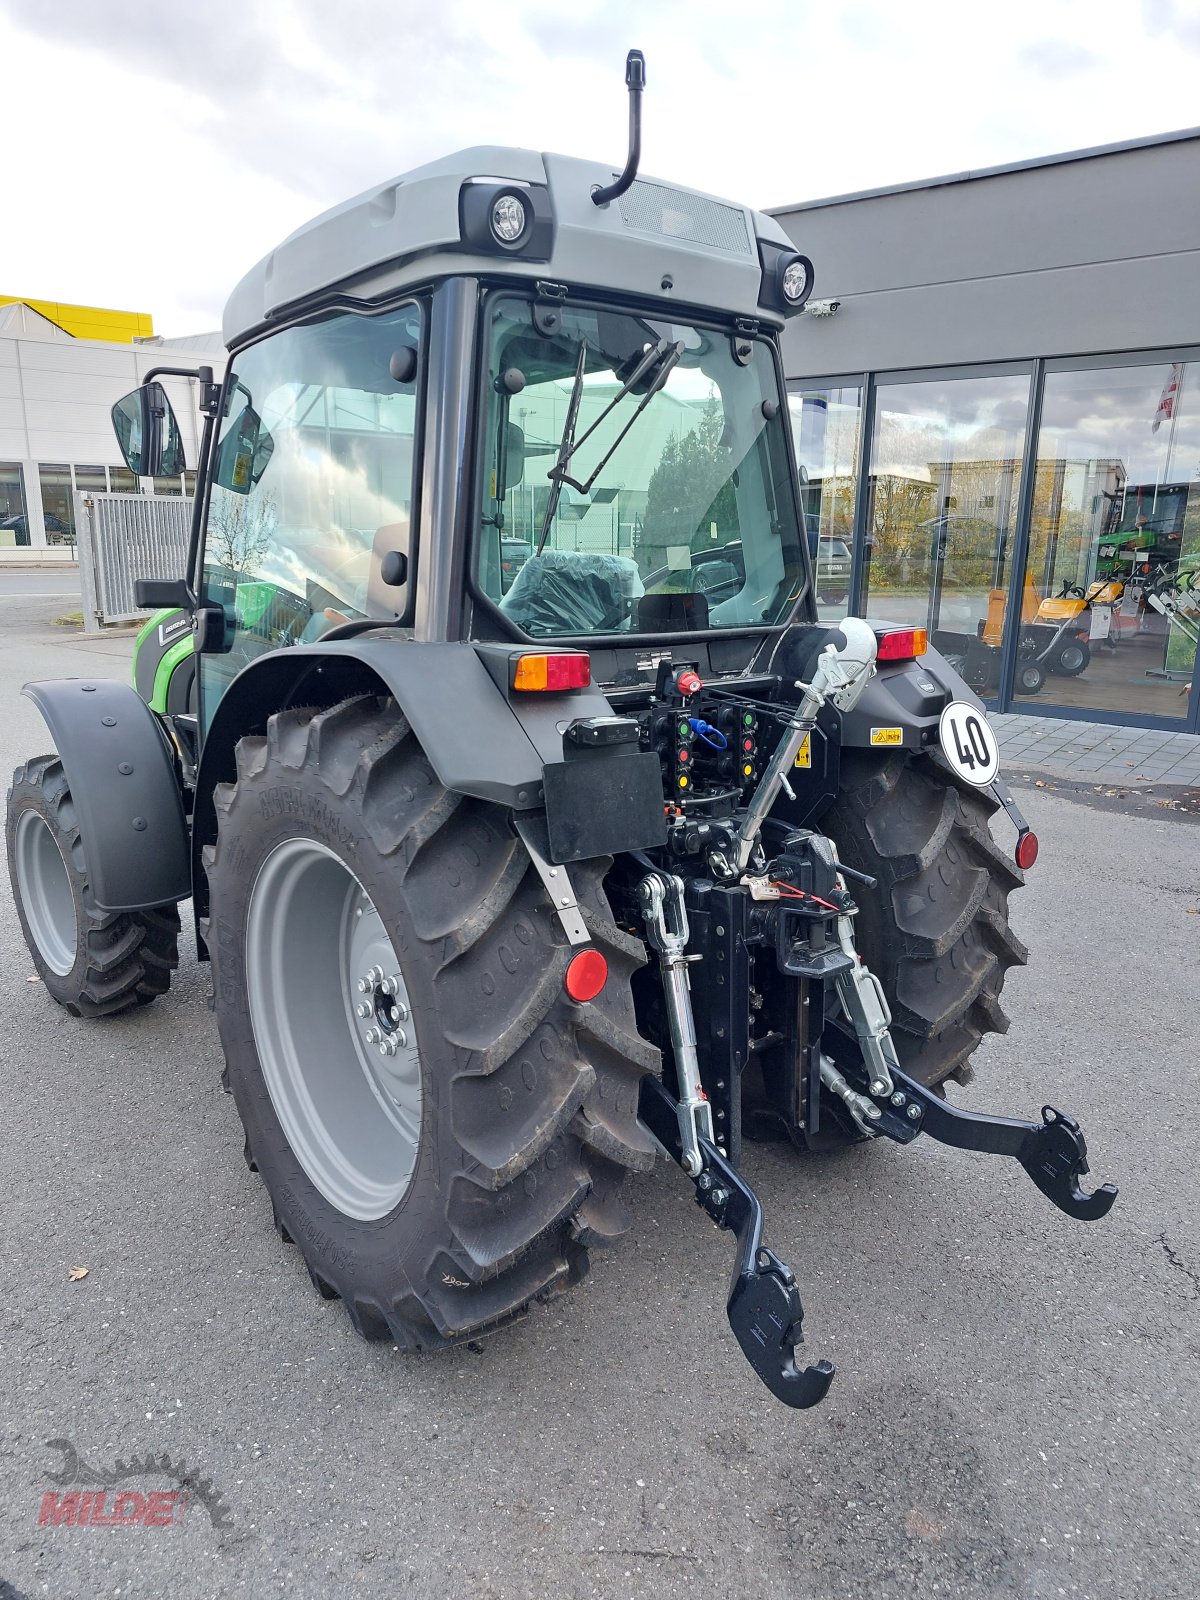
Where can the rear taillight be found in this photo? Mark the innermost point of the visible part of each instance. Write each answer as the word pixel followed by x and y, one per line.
pixel 552 674
pixel 904 644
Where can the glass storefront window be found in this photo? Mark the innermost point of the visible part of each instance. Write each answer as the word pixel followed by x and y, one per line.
pixel 1111 608
pixel 58 508
pixel 122 481
pixel 944 486
pixel 14 524
pixel 827 430
pixel 168 486
pixel 91 480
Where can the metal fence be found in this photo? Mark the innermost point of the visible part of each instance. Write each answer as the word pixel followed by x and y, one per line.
pixel 123 537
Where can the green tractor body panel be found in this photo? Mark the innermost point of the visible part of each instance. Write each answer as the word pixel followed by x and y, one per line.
pixel 164 662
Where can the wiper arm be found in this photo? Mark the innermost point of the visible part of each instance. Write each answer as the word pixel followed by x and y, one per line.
pixel 667 355
pixel 566 447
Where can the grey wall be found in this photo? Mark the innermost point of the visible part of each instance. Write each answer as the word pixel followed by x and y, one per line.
pixel 1062 258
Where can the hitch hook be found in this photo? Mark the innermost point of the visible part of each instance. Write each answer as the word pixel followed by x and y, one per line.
pixel 764 1307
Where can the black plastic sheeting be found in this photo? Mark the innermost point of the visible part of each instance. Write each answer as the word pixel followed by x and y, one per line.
pixel 568 591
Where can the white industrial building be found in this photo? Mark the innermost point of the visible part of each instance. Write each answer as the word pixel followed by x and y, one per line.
pixel 56 392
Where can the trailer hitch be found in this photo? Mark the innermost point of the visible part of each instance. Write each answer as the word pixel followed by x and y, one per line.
pixel 764 1307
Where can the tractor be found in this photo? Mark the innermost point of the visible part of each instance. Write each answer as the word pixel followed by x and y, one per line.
pixel 532 822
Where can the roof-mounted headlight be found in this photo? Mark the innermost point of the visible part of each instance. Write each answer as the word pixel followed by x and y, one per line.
pixel 787 278
pixel 510 218
pixel 796 280
pixel 506 218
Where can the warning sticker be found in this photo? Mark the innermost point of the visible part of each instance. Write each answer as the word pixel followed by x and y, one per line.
pixel 887 735
pixel 804 754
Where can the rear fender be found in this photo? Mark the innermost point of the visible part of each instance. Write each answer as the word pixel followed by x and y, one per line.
pixel 122 776
pixel 903 703
pixel 479 741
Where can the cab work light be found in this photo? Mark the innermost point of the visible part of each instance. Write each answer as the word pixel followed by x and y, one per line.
pixel 552 673
pixel 903 645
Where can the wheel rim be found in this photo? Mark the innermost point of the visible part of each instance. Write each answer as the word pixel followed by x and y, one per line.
pixel 1070 658
pixel 333 1029
pixel 46 893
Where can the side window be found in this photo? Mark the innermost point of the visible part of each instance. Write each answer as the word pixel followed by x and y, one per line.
pixel 312 486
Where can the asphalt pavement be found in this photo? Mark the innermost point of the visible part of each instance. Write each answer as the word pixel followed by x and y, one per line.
pixel 43 583
pixel 1016 1409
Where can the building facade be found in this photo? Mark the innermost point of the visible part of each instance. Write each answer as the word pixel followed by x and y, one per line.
pixel 996 402
pixel 56 392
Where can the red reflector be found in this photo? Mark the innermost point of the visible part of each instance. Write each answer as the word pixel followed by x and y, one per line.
pixel 587 974
pixel 552 672
pixel 1027 849
pixel 903 645
pixel 688 682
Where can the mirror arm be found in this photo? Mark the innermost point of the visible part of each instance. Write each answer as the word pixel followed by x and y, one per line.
pixel 209 390
pixel 192 564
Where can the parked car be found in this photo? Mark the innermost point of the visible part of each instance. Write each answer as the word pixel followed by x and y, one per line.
pixel 832 570
pixel 514 553
pixel 20 526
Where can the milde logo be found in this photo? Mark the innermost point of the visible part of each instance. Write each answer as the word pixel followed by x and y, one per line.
pixel 126 1508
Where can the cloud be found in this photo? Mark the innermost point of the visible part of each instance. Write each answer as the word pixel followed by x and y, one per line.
pixel 1175 19
pixel 1058 58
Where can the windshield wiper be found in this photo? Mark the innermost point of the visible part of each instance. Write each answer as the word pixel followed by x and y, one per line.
pixel 667 354
pixel 566 447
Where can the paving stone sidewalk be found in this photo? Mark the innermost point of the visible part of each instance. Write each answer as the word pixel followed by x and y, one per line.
pixel 1095 753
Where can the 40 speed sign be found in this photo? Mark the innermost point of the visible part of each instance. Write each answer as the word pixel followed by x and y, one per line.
pixel 969 744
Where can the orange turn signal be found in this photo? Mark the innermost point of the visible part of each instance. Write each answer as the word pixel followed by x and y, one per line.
pixel 903 645
pixel 551 674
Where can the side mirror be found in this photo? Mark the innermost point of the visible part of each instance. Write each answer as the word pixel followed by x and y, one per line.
pixel 513 465
pixel 244 453
pixel 148 434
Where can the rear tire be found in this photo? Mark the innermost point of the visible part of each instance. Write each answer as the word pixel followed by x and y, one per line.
pixel 935 932
pixel 527 1102
pixel 93 962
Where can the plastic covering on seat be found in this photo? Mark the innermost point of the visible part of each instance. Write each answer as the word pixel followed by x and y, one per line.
pixel 569 591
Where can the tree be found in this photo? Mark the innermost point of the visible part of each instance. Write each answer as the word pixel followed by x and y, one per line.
pixel 690 489
pixel 240 529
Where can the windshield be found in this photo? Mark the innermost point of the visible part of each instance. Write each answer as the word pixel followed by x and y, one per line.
pixel 636 477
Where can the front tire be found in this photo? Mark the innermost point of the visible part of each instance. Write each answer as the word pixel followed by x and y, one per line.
pixel 94 963
pixel 521 1103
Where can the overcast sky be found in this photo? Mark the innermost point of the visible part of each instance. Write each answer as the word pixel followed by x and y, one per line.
pixel 154 152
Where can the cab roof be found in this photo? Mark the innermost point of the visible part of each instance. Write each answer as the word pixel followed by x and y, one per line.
pixel 410 229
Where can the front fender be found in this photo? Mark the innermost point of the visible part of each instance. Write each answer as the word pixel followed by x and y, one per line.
pixel 121 774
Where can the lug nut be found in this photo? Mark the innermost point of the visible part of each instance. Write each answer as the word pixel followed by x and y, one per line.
pixel 400 1038
pixel 363 1010
pixel 372 1036
pixel 401 1011
pixel 387 1047
pixel 879 1087
pixel 363 986
pixel 914 1112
